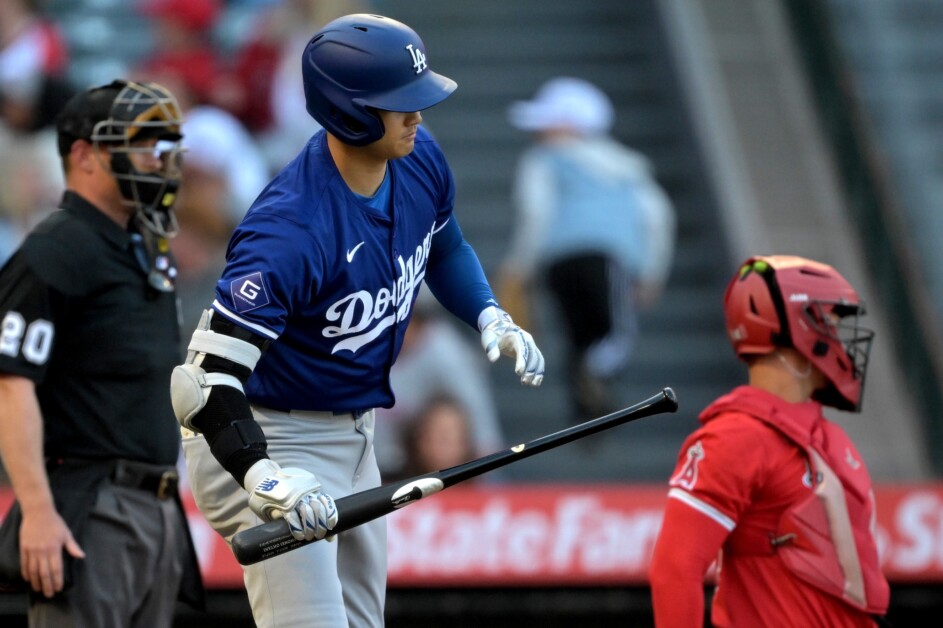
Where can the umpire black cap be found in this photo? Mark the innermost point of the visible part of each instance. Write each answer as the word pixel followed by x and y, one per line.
pixel 130 111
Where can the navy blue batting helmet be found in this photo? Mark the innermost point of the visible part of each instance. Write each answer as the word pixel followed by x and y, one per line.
pixel 359 63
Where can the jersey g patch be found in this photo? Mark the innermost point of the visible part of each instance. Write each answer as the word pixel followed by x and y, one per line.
pixel 248 293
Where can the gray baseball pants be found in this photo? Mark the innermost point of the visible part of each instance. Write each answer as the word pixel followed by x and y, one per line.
pixel 341 584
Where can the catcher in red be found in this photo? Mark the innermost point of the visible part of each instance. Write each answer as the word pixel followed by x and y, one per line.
pixel 767 486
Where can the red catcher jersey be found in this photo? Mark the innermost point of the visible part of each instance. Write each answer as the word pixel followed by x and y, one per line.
pixel 743 474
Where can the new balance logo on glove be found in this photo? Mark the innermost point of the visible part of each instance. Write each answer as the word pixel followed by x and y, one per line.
pixel 267 485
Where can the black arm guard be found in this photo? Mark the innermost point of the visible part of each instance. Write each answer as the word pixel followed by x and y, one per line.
pixel 226 421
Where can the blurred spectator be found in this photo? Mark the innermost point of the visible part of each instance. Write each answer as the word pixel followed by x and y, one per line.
pixel 33 87
pixel 10 238
pixel 267 69
pixel 594 225
pixel 439 437
pixel 184 46
pixel 31 183
pixel 218 144
pixel 33 63
pixel 200 247
pixel 436 360
pixel 256 60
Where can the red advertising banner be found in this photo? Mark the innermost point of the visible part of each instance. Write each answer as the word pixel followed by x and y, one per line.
pixel 910 532
pixel 539 535
pixel 571 535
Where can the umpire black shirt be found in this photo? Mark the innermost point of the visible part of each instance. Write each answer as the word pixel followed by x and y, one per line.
pixel 80 320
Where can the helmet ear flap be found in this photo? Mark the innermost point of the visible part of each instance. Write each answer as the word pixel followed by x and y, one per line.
pixel 361 130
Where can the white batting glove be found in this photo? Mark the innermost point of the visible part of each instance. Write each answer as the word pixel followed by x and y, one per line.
pixel 293 494
pixel 499 335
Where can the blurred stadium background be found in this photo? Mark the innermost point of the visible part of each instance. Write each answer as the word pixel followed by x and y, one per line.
pixel 809 127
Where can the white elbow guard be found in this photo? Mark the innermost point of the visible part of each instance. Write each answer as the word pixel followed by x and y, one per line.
pixel 191 385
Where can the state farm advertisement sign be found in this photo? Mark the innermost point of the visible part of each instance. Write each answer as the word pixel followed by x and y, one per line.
pixel 910 532
pixel 534 535
pixel 568 535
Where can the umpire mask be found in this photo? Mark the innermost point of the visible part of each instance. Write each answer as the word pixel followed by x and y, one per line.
pixel 147 172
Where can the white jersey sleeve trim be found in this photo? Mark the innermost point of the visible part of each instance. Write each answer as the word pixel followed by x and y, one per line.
pixel 234 317
pixel 703 507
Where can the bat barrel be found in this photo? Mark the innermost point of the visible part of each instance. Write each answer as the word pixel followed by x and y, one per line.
pixel 664 401
pixel 273 538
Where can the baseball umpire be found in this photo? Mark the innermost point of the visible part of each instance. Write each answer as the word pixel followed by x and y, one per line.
pixel 284 371
pixel 89 338
pixel 767 479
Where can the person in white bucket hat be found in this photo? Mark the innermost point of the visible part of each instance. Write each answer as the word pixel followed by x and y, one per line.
pixel 565 103
pixel 593 226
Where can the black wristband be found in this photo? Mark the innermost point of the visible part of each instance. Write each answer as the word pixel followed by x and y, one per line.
pixel 238 446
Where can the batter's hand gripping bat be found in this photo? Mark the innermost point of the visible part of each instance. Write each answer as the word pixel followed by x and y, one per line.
pixel 273 538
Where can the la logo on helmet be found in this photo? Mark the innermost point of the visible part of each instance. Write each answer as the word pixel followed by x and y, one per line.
pixel 419 59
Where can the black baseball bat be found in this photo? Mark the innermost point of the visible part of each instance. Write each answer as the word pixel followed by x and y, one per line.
pixel 273 538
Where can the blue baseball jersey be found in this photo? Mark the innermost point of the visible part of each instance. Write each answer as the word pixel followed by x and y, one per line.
pixel 332 281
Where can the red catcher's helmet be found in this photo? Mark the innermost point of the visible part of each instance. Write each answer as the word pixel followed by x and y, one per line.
pixel 785 301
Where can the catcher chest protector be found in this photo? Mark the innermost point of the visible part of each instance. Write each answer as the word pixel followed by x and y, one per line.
pixel 826 539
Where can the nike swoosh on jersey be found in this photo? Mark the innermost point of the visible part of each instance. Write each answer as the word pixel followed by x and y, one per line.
pixel 352 252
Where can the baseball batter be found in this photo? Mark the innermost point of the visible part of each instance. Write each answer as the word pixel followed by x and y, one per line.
pixel 782 492
pixel 277 393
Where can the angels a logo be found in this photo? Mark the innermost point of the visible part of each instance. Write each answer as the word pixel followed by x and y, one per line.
pixel 686 478
pixel 418 57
